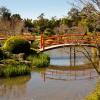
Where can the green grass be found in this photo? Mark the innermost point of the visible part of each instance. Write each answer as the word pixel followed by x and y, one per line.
pixel 12 71
pixel 39 60
pixel 95 95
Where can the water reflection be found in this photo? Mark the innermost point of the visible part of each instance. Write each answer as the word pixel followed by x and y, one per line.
pixel 71 56
pixel 68 75
pixel 49 84
pixel 15 87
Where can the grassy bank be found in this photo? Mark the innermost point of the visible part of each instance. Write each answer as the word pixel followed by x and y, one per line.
pixel 17 58
pixel 95 95
pixel 12 67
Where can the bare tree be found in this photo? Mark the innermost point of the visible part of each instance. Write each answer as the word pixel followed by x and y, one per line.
pixel 91 9
pixel 96 3
pixel 10 24
pixel 16 24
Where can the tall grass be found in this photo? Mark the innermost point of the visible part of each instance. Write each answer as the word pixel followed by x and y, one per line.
pixel 40 60
pixel 11 71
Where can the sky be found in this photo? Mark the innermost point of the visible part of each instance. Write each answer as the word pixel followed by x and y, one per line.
pixel 33 8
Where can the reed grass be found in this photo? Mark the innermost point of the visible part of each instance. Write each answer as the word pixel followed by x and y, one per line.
pixel 40 60
pixel 12 71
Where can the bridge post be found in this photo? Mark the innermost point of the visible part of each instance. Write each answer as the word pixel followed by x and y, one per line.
pixel 41 42
pixel 59 39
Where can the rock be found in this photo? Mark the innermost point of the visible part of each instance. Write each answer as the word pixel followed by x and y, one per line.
pixel 21 56
pixel 26 62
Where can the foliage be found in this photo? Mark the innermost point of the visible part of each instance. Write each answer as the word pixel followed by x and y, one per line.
pixel 16 17
pixel 1 54
pixel 28 24
pixel 17 45
pixel 5 13
pixel 73 14
pixel 41 23
pixel 35 44
pixel 33 52
pixel 39 60
pixel 48 32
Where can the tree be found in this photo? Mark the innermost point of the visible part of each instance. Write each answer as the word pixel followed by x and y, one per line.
pixel 74 15
pixel 4 20
pixel 90 15
pixel 10 24
pixel 53 22
pixel 28 23
pixel 16 24
pixel 79 3
pixel 41 23
pixel 97 2
pixel 48 32
pixel 16 16
pixel 3 10
pixel 64 21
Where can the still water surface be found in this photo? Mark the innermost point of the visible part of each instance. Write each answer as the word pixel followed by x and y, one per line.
pixel 61 56
pixel 51 83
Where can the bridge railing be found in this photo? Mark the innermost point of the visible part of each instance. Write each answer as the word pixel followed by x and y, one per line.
pixel 66 38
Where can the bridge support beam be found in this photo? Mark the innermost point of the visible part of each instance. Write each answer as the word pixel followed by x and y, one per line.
pixel 70 56
pixel 74 56
pixel 99 59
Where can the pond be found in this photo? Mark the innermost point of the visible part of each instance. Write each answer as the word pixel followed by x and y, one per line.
pixel 52 83
pixel 62 56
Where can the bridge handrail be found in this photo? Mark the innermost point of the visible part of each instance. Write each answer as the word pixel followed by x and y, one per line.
pixel 68 38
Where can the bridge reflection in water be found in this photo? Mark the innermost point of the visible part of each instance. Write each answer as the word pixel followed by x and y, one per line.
pixel 68 75
pixel 78 60
pixel 73 55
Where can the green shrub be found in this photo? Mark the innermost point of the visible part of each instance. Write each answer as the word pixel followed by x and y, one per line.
pixel 1 54
pixel 35 44
pixel 32 52
pixel 40 60
pixel 17 45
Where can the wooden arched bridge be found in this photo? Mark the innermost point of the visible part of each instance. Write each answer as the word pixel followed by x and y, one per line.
pixel 56 41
